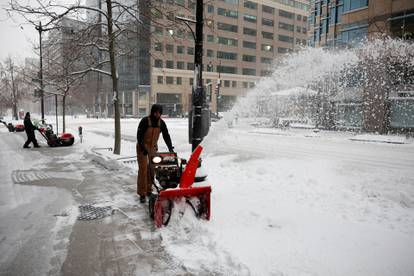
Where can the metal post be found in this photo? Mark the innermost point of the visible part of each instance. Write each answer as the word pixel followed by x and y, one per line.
pixel 198 91
pixel 42 102
pixel 56 111
pixel 218 89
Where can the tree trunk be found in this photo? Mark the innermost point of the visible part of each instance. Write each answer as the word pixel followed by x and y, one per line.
pixel 14 98
pixel 14 108
pixel 63 113
pixel 111 47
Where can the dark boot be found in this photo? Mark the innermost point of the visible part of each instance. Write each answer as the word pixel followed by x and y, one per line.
pixel 26 146
pixel 142 199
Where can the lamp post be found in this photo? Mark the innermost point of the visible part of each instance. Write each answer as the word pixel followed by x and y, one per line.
pixel 198 93
pixel 218 89
pixel 40 29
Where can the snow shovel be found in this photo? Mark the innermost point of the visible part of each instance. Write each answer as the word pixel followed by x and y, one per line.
pixel 197 197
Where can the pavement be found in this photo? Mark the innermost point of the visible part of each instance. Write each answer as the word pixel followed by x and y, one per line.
pixel 40 192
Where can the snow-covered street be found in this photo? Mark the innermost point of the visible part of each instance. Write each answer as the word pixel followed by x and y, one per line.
pixel 284 202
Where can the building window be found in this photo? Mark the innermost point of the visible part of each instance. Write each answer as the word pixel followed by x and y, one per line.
pixel 180 2
pixel 210 53
pixel 248 44
pixel 249 71
pixel 210 9
pixel 245 84
pixel 249 58
pixel 179 80
pixel 179 34
pixel 160 80
pixel 170 64
pixel 286 38
pixel 350 5
pixel 268 22
pixel 250 18
pixel 250 5
pixel 180 49
pixel 298 29
pixel 266 60
pixel 248 31
pixel 354 33
pixel 191 81
pixel 282 50
pixel 234 84
pixel 180 65
pixel 227 69
pixel 287 14
pixel 158 63
pixel 227 27
pixel 267 47
pixel 190 51
pixel 226 83
pixel 169 48
pixel 251 84
pixel 210 38
pixel 190 66
pixel 287 27
pixel 298 17
pixel 226 55
pixel 227 41
pixel 265 73
pixel 233 2
pixel 267 35
pixel 227 13
pixel 305 18
pixel 304 30
pixel 158 31
pixel 268 9
pixel 169 80
pixel 158 46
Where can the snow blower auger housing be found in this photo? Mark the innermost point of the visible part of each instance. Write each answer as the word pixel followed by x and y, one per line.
pixel 64 140
pixel 175 184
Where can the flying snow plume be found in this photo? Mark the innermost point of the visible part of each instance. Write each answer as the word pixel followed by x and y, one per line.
pixel 301 79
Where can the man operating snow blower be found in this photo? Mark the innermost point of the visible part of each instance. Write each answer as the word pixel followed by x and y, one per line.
pixel 29 128
pixel 148 132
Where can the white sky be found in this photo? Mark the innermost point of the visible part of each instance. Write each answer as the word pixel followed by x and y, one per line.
pixel 17 37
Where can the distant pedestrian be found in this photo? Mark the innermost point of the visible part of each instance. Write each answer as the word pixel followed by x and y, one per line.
pixel 148 132
pixel 29 128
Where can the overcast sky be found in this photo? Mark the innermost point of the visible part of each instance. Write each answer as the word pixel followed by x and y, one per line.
pixel 17 38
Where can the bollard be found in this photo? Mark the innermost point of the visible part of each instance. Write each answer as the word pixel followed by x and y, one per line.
pixel 80 133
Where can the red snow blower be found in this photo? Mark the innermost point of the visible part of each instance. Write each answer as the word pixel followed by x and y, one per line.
pixel 64 140
pixel 169 174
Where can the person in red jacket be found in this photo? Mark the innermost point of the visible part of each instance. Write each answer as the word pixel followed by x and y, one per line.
pixel 148 132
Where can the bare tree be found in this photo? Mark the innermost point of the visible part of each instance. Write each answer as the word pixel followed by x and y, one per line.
pixel 11 80
pixel 117 20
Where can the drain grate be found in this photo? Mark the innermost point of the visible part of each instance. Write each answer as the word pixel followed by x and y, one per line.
pixel 90 212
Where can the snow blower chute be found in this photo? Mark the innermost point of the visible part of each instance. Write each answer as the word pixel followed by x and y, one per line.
pixel 169 173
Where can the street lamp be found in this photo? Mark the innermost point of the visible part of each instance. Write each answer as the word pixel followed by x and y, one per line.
pixel 199 112
pixel 40 29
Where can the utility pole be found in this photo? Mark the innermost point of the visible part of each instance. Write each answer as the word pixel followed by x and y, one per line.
pixel 42 103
